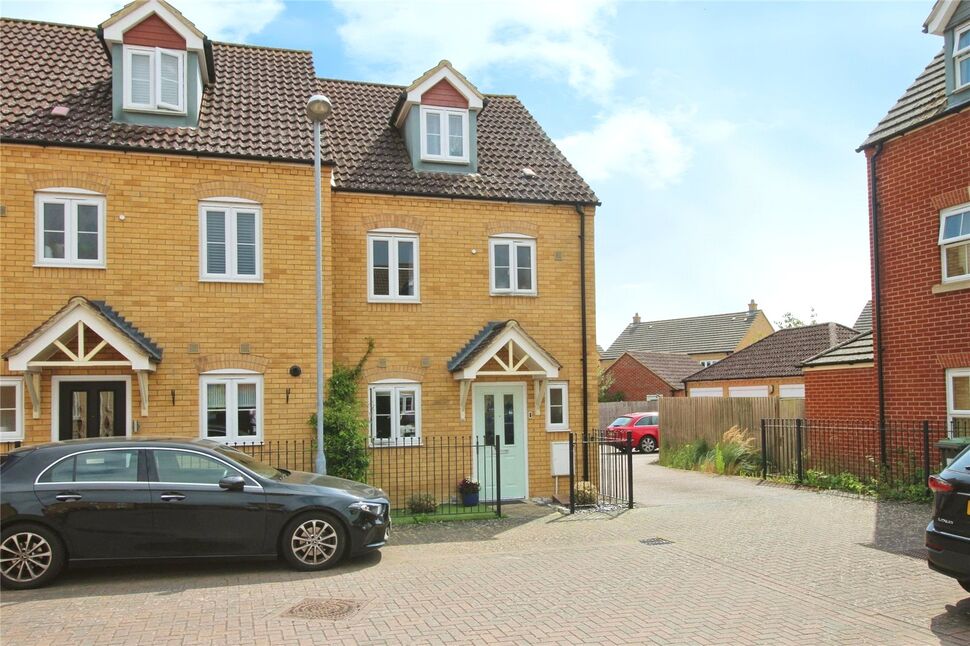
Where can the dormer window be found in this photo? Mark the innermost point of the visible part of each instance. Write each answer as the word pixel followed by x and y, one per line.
pixel 444 135
pixel 961 55
pixel 154 79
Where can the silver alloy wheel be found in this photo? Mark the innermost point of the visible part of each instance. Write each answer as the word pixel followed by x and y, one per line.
pixel 647 445
pixel 25 557
pixel 314 542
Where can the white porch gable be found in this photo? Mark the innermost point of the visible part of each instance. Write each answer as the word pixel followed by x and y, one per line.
pixel 83 334
pixel 503 349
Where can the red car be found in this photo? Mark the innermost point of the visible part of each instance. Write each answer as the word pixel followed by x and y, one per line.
pixel 644 426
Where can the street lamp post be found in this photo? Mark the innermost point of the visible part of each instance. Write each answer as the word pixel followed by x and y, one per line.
pixel 318 108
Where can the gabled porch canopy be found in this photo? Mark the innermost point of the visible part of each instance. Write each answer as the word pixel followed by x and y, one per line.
pixel 84 334
pixel 503 349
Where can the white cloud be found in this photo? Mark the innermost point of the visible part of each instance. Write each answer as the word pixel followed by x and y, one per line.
pixel 551 38
pixel 651 148
pixel 231 20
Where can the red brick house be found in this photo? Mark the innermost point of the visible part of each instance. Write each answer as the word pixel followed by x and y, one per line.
pixel 772 367
pixel 919 206
pixel 639 375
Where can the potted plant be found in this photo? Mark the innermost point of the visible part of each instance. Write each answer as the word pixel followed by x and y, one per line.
pixel 468 489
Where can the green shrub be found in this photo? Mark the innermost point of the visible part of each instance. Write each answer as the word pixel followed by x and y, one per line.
pixel 344 440
pixel 422 503
pixel 733 455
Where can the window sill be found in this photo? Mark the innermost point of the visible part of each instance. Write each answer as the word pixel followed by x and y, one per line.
pixel 446 160
pixel 67 265
pixel 235 443
pixel 522 294
pixel 235 281
pixel 395 445
pixel 148 110
pixel 393 301
pixel 558 430
pixel 953 286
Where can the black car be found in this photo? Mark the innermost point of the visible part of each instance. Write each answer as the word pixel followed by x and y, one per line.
pixel 96 500
pixel 948 534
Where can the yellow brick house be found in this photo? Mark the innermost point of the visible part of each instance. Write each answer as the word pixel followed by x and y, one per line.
pixel 157 248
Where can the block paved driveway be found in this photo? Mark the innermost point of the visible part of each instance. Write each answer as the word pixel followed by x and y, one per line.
pixel 748 564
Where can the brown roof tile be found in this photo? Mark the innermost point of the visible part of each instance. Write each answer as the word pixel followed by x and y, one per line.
pixel 777 355
pixel 254 110
pixel 673 368
pixel 371 156
pixel 922 102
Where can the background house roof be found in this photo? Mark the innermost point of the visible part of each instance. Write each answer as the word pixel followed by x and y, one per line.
pixel 858 349
pixel 256 109
pixel 864 322
pixel 669 366
pixel 777 355
pixel 371 156
pixel 714 333
pixel 924 100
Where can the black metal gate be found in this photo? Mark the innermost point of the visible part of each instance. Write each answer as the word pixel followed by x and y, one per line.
pixel 600 470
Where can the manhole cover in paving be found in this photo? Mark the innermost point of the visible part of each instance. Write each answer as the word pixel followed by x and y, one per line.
pixel 656 540
pixel 331 609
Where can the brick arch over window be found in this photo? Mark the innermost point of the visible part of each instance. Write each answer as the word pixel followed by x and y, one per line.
pixel 393 221
pixel 951 198
pixel 211 362
pixel 226 188
pixel 393 372
pixel 513 226
pixel 70 179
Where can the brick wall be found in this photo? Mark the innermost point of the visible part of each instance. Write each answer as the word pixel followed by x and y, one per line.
pixel 416 340
pixel 841 394
pixel 922 332
pixel 152 278
pixel 635 381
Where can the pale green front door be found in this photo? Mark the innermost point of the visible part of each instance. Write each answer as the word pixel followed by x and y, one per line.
pixel 499 412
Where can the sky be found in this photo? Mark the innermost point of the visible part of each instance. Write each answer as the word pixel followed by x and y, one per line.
pixel 719 136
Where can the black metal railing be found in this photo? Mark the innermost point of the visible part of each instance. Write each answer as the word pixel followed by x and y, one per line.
pixel 421 476
pixel 608 473
pixel 295 455
pixel 896 453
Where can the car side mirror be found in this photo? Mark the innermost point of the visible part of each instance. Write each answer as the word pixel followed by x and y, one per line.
pixel 233 483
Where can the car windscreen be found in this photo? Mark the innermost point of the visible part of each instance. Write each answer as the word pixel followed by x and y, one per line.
pixel 620 421
pixel 248 461
pixel 961 462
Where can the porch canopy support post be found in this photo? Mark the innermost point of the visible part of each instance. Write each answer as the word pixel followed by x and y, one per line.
pixel 32 379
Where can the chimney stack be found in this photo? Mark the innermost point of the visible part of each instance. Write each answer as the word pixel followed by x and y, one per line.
pixel 752 306
pixel 636 317
pixel 833 337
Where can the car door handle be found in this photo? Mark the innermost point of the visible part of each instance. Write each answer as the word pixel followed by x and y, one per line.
pixel 172 496
pixel 68 497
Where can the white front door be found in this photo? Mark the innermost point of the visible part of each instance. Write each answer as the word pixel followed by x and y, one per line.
pixel 499 412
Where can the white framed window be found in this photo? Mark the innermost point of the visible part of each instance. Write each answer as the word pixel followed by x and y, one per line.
pixel 69 228
pixel 11 409
pixel 444 135
pixel 557 407
pixel 955 243
pixel 958 399
pixel 512 264
pixel 231 406
pixel 395 413
pixel 154 79
pixel 231 244
pixel 708 362
pixel 961 56
pixel 393 267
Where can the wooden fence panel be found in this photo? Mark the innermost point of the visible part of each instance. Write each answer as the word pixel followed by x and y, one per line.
pixel 689 419
pixel 609 411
